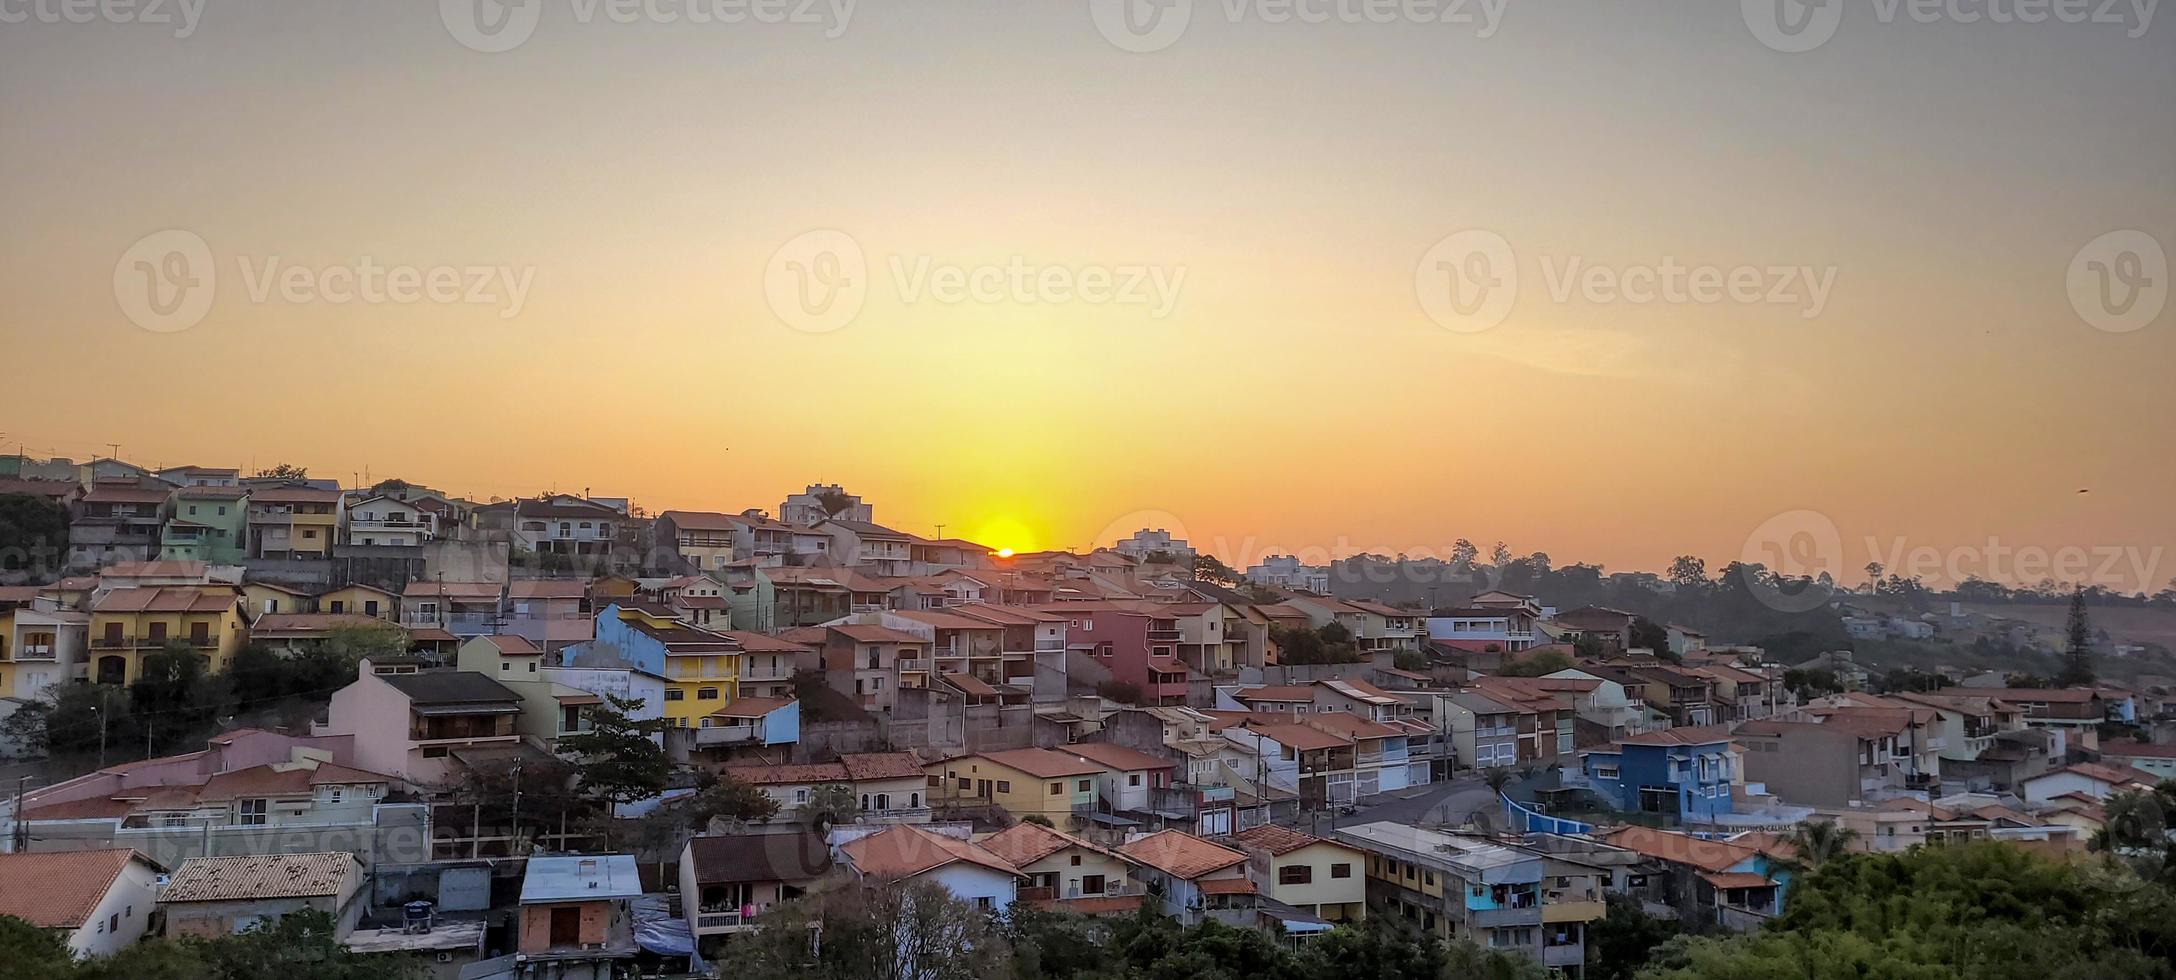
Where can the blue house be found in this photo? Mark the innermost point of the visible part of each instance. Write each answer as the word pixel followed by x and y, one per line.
pixel 1678 772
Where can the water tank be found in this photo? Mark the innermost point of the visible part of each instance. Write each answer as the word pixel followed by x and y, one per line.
pixel 417 917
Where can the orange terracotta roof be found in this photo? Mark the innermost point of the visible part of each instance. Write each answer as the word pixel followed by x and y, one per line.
pixel 1274 839
pixel 166 598
pixel 906 850
pixel 813 772
pixel 1043 763
pixel 881 765
pixel 862 633
pixel 58 889
pixel 1118 757
pixel 1180 854
pixel 751 707
pixel 1737 879
pixel 1025 843
pixel 1707 855
pixel 1227 886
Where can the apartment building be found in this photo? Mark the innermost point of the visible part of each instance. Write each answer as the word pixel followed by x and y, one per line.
pixel 1469 888
pixel 1681 773
pixel 701 667
pixel 293 521
pixel 128 624
pixel 206 523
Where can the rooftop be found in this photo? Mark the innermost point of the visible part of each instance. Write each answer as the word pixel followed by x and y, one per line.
pixel 58 889
pixel 251 876
pixel 580 878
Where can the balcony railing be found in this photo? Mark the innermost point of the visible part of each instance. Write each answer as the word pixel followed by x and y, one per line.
pixel 1164 636
pixel 149 642
pixel 912 665
pixel 1049 646
pixel 725 734
pixel 40 651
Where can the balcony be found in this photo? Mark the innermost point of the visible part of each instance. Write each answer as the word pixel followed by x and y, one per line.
pixel 904 814
pixel 1049 646
pixel 725 735
pixel 912 665
pixel 1491 918
pixel 1165 636
pixel 37 651
pixel 1567 955
pixel 1578 910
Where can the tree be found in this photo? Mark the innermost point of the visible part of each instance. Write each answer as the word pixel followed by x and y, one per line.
pixel 33 537
pixel 284 471
pixel 1409 660
pixel 300 945
pixel 1648 634
pixel 1587 646
pixel 1817 842
pixel 172 694
pixel 2078 651
pixel 1497 777
pixel 725 797
pixel 1619 942
pixel 71 719
pixel 831 804
pixel 1688 572
pixel 1463 554
pixel 32 953
pixel 1538 665
pixel 619 760
pixel 1209 568
pixel 910 931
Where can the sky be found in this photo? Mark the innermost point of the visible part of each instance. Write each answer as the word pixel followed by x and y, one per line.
pixel 995 266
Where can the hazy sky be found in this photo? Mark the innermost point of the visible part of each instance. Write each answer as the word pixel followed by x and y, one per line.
pixel 1290 388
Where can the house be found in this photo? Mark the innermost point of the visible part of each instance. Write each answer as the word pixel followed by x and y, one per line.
pixel 1685 640
pixel 1966 724
pixel 701 667
pixel 557 699
pixel 361 600
pixel 1839 664
pixel 1315 875
pixel 883 550
pixel 891 787
pixel 95 901
pixel 550 612
pixel 706 541
pixel 219 896
pixel 1194 879
pixel 1137 642
pixel 700 600
pixel 1736 886
pixel 1606 711
pixel 464 609
pixel 575 920
pixel 116 521
pixel 1836 757
pixel 1065 873
pixel 728 882
pixel 1129 778
pixel 262 598
pixel 41 642
pixel 2095 780
pixel 1048 783
pixel 821 501
pixel 382 521
pixel 128 624
pixel 1484 732
pixel 2067 708
pixel 561 524
pixel 207 523
pixel 871 661
pixel 1613 627
pixel 189 477
pixel 972 873
pixel 1497 619
pixel 292 521
pixel 1496 895
pixel 1683 773
pixel 1286 572
pixel 749 723
pixel 413 725
pixel 2158 761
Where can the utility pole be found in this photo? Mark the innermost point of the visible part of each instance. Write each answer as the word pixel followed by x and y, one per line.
pixel 513 846
pixel 22 826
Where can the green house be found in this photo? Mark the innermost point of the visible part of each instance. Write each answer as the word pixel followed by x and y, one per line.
pixel 208 524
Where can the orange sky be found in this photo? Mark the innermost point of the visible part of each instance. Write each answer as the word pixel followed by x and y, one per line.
pixel 1297 396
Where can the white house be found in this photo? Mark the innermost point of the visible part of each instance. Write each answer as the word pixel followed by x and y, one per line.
pixel 96 901
pixel 972 873
pixel 387 521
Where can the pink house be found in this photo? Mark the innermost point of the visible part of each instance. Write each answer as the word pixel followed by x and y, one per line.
pixel 1138 643
pixel 409 725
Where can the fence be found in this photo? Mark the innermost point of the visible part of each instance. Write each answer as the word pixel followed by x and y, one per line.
pixel 1526 820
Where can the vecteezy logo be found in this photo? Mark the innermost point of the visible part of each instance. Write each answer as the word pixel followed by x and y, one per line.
pixel 165 282
pixel 818 281
pixel 1792 26
pixel 1141 26
pixel 1467 282
pixel 1801 553
pixel 2119 281
pixel 491 26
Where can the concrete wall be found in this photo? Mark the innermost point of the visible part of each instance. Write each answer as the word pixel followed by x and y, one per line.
pixel 129 902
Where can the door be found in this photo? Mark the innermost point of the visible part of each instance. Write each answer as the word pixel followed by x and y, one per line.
pixel 156 634
pixel 112 670
pixel 200 634
pixel 566 925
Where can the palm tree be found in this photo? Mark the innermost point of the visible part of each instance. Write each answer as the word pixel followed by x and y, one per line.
pixel 1816 842
pixel 1497 778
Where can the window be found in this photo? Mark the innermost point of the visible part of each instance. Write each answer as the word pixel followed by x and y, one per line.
pixel 800 796
pixel 1084 786
pixel 706 694
pixel 434 752
pixel 1605 772
pixel 1004 785
pixel 675 694
pixel 505 665
pixel 1057 789
pixel 253 813
pixel 984 903
pixel 1295 874
pixel 1341 870
pixel 1076 860
pixel 532 666
pixel 332 794
pixel 1133 779
pixel 113 922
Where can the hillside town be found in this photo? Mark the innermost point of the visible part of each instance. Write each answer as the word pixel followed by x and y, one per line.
pixel 562 736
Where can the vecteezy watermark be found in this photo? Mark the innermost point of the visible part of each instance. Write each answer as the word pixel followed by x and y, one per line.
pixel 1798 26
pixel 819 281
pixel 1793 561
pixel 1145 26
pixel 181 15
pixel 1469 282
pixel 2119 281
pixel 166 281
pixel 494 26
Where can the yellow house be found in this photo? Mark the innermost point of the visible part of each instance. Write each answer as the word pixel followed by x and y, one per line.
pixel 360 600
pixel 127 624
pixel 1311 874
pixel 701 667
pixel 1025 782
pixel 293 522
pixel 1065 872
pixel 261 598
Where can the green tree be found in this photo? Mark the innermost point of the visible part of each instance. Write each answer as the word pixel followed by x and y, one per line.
pixel 301 945
pixel 1210 568
pixel 31 953
pixel 911 931
pixel 1538 665
pixel 2078 648
pixel 1648 634
pixel 1587 646
pixel 33 537
pixel 724 797
pixel 1619 942
pixel 1817 842
pixel 831 804
pixel 1688 572
pixel 1409 660
pixel 284 471
pixel 618 760
pixel 173 693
